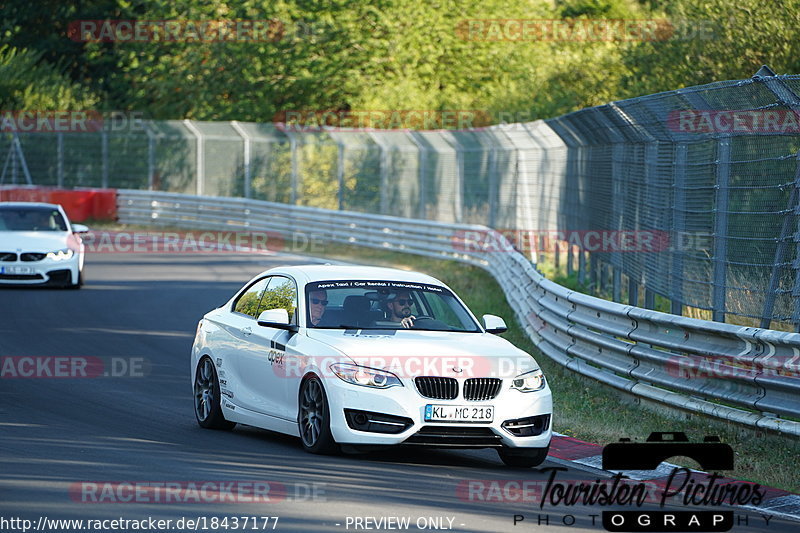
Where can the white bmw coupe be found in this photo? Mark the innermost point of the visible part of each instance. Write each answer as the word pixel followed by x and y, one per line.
pixel 39 245
pixel 352 358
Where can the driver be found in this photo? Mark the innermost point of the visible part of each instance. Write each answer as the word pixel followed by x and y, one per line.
pixel 399 306
pixel 317 300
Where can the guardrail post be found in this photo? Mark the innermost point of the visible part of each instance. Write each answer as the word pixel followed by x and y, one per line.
pixel 721 228
pixel 200 159
pixel 246 154
pixel 60 159
pixel 678 226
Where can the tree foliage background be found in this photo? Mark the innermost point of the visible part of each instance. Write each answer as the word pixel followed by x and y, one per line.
pixel 384 54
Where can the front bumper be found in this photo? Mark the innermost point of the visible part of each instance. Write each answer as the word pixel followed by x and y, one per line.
pixel 405 408
pixel 44 272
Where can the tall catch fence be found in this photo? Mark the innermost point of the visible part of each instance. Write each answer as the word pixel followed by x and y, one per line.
pixel 686 199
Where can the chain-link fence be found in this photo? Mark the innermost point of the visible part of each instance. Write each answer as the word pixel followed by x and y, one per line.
pixel 690 196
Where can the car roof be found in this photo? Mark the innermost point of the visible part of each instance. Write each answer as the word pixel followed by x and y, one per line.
pixel 312 273
pixel 29 204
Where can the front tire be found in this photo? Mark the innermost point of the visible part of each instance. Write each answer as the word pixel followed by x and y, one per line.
pixel 523 457
pixel 314 419
pixel 75 286
pixel 207 397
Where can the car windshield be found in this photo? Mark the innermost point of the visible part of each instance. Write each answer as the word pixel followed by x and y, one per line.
pixel 378 305
pixel 31 219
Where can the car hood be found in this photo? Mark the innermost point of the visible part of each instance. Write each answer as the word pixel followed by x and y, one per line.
pixel 33 241
pixel 429 353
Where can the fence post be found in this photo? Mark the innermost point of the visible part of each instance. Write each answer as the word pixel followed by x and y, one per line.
pixel 721 229
pixel 151 158
pixel 493 187
pixel 340 172
pixel 423 161
pixel 781 248
pixel 246 154
pixel 200 159
pixel 60 159
pixel 633 292
pixel 678 226
pixel 104 156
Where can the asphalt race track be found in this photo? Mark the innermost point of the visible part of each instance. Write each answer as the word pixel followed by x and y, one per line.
pixel 73 448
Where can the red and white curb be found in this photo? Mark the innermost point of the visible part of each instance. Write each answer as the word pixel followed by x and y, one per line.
pixel 776 502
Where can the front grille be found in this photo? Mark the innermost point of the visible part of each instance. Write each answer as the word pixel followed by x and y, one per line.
pixel 32 256
pixel 8 257
pixel 455 437
pixel 480 389
pixel 437 388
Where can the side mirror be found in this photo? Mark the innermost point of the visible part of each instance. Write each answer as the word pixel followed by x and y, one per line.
pixel 79 228
pixel 494 324
pixel 276 318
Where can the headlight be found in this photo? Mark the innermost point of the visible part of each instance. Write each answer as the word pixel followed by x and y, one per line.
pixel 529 381
pixel 365 376
pixel 60 255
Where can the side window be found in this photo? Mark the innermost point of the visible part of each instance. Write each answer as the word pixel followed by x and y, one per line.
pixel 248 302
pixel 281 293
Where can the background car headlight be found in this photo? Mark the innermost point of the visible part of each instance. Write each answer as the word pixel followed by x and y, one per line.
pixel 365 376
pixel 60 255
pixel 529 381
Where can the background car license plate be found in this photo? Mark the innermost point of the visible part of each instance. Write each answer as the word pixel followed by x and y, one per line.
pixel 459 413
pixel 16 270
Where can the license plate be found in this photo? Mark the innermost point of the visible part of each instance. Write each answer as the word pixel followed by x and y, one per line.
pixel 16 270
pixel 459 413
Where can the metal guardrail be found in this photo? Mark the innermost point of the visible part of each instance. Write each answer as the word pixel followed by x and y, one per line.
pixel 746 375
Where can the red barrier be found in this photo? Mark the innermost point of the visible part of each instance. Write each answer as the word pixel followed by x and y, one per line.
pixel 79 204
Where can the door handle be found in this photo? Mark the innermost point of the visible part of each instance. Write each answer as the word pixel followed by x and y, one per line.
pixel 247 331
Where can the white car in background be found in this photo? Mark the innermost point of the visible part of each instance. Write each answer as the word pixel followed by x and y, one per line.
pixel 353 357
pixel 38 245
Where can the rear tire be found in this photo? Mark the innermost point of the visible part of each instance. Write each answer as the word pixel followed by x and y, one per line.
pixel 523 457
pixel 314 419
pixel 207 397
